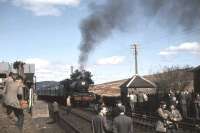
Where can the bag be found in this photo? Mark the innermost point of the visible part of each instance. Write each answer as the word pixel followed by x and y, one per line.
pixel 23 104
pixel 160 127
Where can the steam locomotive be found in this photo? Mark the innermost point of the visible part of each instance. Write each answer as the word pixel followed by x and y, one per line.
pixel 76 87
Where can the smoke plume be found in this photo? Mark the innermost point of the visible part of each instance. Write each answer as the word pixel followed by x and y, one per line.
pixel 100 23
pixel 113 14
pixel 174 13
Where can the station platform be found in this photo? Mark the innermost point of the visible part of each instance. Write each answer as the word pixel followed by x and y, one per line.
pixel 31 124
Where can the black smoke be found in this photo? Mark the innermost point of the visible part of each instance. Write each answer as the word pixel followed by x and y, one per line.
pixel 101 22
pixel 113 14
pixel 174 13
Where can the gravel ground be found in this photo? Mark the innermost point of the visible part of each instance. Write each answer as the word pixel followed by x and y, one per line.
pixel 7 124
pixel 43 127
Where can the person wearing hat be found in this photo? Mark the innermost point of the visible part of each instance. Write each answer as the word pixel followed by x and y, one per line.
pixel 122 123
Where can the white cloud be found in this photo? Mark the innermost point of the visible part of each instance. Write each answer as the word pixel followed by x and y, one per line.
pixel 189 47
pixel 166 53
pixel 47 70
pixel 114 60
pixel 44 7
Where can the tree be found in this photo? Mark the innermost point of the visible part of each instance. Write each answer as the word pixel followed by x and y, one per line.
pixel 19 66
pixel 174 77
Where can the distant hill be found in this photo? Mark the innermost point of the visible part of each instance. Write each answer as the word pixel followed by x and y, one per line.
pixel 171 78
pixel 44 84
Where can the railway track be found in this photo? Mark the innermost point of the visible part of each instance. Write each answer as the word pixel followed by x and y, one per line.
pixel 78 120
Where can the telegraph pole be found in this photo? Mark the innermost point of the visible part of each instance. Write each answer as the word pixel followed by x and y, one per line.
pixel 134 47
pixel 71 69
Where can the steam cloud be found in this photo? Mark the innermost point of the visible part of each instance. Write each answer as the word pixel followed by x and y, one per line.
pixel 113 15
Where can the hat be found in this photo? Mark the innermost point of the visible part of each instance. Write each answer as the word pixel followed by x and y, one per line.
pixel 122 108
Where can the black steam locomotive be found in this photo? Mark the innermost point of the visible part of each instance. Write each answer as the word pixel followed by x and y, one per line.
pixel 76 88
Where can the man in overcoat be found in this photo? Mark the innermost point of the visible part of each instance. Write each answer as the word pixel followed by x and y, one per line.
pixel 13 95
pixel 122 123
pixel 55 111
pixel 99 122
pixel 183 103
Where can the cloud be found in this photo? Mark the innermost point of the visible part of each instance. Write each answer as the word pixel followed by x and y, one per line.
pixel 188 47
pixel 114 60
pixel 48 71
pixel 44 7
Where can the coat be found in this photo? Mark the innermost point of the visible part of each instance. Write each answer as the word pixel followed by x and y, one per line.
pixel 99 124
pixel 163 116
pixel 12 89
pixel 175 115
pixel 122 124
pixel 55 107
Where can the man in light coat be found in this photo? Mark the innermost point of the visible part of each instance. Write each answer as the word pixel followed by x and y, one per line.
pixel 183 103
pixel 55 111
pixel 174 117
pixel 122 123
pixel 133 101
pixel 13 93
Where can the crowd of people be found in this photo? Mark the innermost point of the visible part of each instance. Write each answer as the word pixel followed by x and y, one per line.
pixel 188 103
pixel 172 108
pixel 182 105
pixel 168 118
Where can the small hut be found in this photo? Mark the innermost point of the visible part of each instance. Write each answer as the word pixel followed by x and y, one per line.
pixel 138 84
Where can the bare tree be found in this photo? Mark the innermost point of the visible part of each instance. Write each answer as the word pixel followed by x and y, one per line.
pixel 175 77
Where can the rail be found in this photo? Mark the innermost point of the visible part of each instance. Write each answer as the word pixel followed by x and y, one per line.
pixel 62 121
pixel 147 121
pixel 76 119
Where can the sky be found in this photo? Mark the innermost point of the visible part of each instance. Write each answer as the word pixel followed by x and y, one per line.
pixel 47 33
